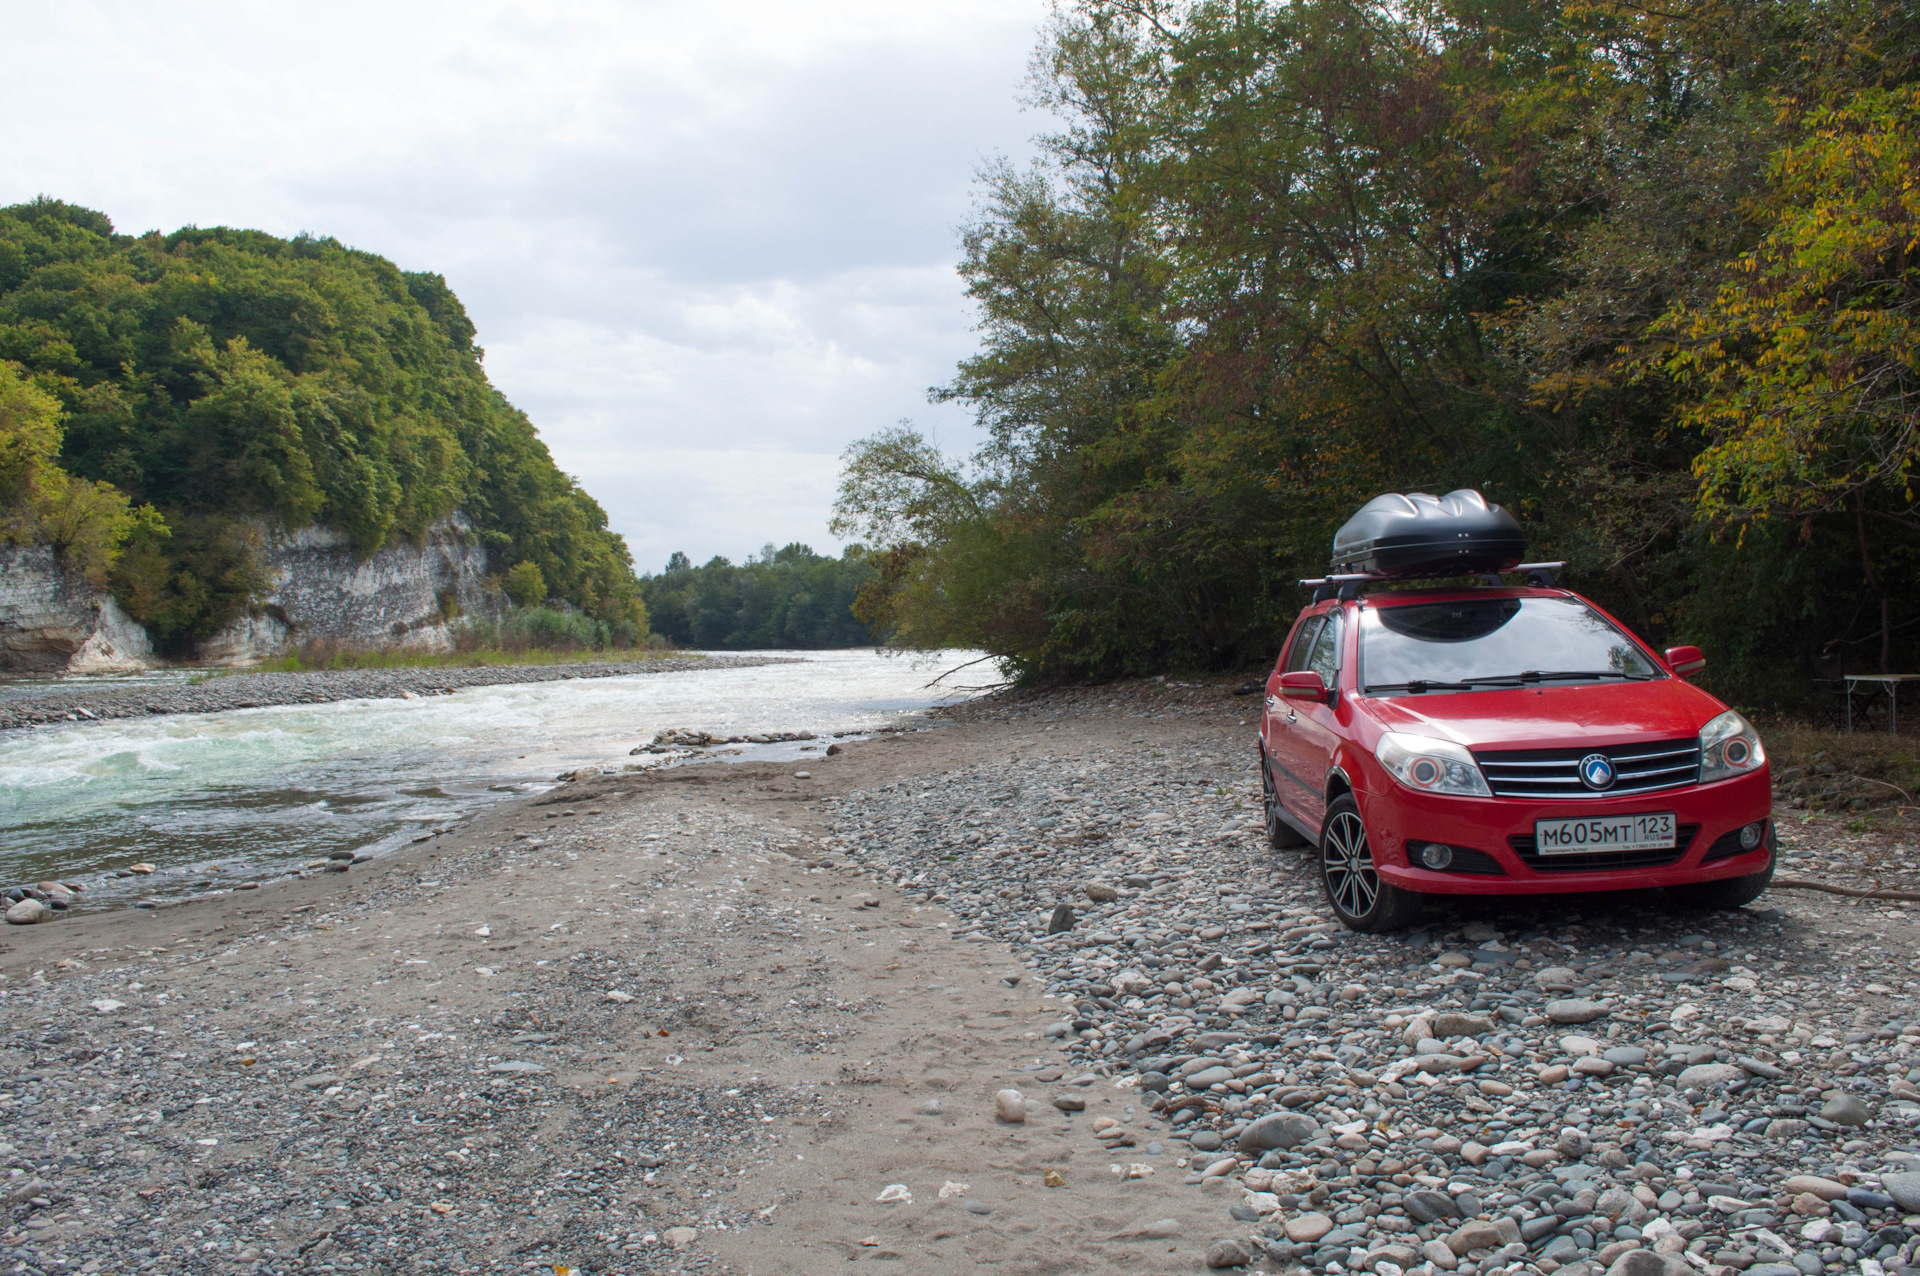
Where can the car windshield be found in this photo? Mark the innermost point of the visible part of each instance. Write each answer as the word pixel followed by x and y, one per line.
pixel 1483 642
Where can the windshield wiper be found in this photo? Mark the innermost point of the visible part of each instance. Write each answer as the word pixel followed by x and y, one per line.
pixel 1416 686
pixel 1542 675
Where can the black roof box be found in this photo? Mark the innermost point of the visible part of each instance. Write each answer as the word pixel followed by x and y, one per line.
pixel 1415 534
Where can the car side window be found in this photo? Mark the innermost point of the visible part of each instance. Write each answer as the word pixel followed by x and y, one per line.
pixel 1302 646
pixel 1324 659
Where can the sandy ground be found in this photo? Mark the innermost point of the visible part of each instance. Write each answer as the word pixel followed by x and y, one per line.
pixel 628 1006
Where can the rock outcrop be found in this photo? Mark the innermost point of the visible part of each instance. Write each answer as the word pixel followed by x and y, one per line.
pixel 53 621
pixel 402 595
pixel 405 594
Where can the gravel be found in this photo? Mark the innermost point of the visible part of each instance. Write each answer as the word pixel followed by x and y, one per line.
pixel 86 700
pixel 1542 1085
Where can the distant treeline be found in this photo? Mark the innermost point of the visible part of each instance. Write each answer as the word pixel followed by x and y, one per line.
pixel 788 597
pixel 164 398
pixel 1648 275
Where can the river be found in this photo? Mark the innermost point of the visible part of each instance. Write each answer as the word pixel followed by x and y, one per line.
pixel 214 799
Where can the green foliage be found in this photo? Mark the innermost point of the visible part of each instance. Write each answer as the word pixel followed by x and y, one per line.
pixel 524 584
pixel 1281 257
pixel 87 523
pixel 785 598
pixel 230 378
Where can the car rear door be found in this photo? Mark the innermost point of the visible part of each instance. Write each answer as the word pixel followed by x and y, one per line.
pixel 1308 738
pixel 1283 715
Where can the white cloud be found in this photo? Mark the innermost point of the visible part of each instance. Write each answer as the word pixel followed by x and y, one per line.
pixel 705 245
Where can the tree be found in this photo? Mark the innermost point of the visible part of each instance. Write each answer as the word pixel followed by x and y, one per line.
pixel 524 584
pixel 86 523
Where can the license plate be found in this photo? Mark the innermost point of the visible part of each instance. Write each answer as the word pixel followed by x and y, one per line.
pixel 1653 832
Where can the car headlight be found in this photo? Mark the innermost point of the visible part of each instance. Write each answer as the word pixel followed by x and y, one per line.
pixel 1431 766
pixel 1729 746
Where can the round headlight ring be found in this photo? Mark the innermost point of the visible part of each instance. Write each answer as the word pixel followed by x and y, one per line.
pixel 1737 752
pixel 1425 771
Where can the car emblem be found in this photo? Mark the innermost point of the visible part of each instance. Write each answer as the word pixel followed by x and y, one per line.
pixel 1596 771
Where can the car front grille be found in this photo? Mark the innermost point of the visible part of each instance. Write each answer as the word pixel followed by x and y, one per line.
pixel 1555 773
pixel 1523 846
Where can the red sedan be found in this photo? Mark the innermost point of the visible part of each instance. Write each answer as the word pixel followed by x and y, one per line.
pixel 1505 741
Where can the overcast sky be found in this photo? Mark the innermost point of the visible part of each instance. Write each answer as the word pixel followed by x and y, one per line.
pixel 706 244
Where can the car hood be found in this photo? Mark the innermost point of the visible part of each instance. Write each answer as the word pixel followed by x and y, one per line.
pixel 1596 713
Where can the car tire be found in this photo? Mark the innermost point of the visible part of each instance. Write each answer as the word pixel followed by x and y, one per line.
pixel 1281 836
pixel 1727 893
pixel 1355 891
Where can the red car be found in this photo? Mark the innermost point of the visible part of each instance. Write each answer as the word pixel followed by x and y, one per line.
pixel 1499 740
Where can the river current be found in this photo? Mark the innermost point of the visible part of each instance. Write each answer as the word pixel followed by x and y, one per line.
pixel 215 799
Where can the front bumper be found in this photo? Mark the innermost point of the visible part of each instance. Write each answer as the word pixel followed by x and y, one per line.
pixel 1498 834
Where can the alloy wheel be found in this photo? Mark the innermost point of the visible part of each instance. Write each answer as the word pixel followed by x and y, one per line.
pixel 1346 861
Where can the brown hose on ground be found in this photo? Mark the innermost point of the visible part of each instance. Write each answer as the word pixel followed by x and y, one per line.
pixel 1855 892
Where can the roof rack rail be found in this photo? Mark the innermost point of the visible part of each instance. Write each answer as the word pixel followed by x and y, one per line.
pixel 1541 574
pixel 1346 585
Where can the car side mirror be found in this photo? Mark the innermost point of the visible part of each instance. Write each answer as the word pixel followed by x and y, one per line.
pixel 1685 661
pixel 1303 684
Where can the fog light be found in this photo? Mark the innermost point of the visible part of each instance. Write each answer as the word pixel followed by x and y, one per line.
pixel 1750 835
pixel 1434 855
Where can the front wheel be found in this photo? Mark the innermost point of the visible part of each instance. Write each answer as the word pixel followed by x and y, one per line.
pixel 1359 897
pixel 1281 835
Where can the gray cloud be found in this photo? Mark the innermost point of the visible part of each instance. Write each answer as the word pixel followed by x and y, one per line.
pixel 705 246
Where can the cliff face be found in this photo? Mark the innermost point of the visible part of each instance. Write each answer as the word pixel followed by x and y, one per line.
pixel 51 621
pixel 403 595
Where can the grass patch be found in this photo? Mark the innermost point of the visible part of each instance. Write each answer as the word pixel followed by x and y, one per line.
pixel 1883 769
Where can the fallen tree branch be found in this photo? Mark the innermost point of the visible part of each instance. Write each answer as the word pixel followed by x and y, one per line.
pixel 1854 892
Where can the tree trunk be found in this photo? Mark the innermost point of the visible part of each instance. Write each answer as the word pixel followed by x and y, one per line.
pixel 1873 580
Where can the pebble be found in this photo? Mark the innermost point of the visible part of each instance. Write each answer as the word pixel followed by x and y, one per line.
pixel 1904 1188
pixel 1845 1109
pixel 28 912
pixel 1009 1106
pixel 1228 1254
pixel 1575 1011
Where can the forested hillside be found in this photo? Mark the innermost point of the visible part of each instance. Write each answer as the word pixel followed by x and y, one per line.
pixel 229 380
pixel 789 597
pixel 1649 277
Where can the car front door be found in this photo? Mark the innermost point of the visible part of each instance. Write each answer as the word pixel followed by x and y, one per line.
pixel 1282 716
pixel 1308 739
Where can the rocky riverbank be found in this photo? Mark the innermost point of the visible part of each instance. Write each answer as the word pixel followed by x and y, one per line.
pixel 733 1019
pixel 80 699
pixel 1543 1086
